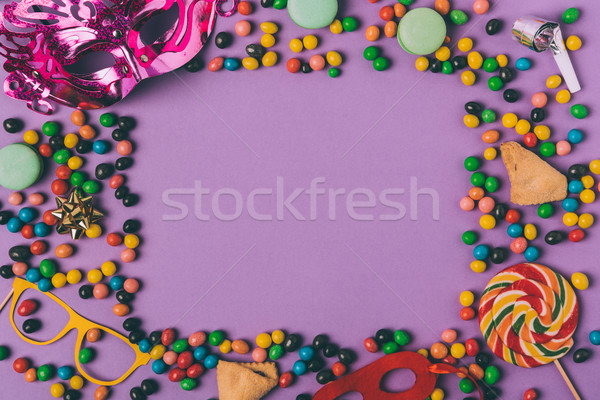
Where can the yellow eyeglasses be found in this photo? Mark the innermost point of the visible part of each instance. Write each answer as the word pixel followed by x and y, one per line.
pixel 76 321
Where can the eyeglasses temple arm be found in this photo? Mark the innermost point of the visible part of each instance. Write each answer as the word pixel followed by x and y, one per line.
pixel 12 291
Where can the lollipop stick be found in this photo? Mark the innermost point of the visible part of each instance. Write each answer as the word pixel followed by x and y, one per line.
pixel 567 380
pixel 7 299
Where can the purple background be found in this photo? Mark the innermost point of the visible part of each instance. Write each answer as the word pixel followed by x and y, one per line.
pixel 346 278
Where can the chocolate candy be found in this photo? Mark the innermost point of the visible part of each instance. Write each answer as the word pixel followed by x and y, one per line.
pixel 12 125
pixel 131 324
pixel 136 336
pixel 320 341
pixel 498 255
pixel 330 350
pixel 493 26
pixel 325 376
pixel 149 387
pixel 316 364
pixel 31 325
pixel 19 253
pixel 538 115
pixel 581 355
pixel 223 40
pixel 510 95
pixel 104 171
pixel 292 343
pixel 473 107
pixel 86 291
pixel 554 237
pixel 123 163
pixel 256 51
pixel 194 65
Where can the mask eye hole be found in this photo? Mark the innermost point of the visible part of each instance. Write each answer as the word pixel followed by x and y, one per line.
pixel 160 25
pixel 91 63
pixel 398 380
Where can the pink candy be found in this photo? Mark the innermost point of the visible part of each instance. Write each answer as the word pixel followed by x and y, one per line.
pixel 131 285
pixel 243 28
pixel 100 291
pixel 539 100
pixel 124 147
pixel 481 6
pixel 36 199
pixel 563 148
pixel 128 255
pixel 519 245
pixel 317 62
pixel 259 355
pixel 170 357
pixel 19 268
pixel 467 204
pixel 15 198
pixel 449 335
pixel 197 339
pixel 486 205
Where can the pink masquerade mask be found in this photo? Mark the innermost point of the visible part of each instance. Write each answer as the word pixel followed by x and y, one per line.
pixel 41 39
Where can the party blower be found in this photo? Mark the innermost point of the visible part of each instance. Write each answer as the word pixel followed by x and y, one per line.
pixel 540 35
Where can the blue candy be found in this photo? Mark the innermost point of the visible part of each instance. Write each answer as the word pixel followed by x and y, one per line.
pixel 159 367
pixel 101 147
pixel 299 368
pixel 575 187
pixel 232 64
pixel 575 136
pixel 33 275
pixel 523 64
pixel 200 353
pixel 14 225
pixel 570 204
pixel 211 361
pixel 531 254
pixel 116 282
pixel 306 353
pixel 595 338
pixel 44 285
pixel 514 230
pixel 41 229
pixel 481 252
pixel 65 372
pixel 144 345
pixel 27 214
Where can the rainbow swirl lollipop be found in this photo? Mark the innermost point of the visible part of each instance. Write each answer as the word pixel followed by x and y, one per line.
pixel 528 315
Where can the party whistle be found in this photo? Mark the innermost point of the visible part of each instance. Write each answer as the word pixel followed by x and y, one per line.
pixel 540 35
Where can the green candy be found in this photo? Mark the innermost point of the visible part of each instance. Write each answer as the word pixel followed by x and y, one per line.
pixel 371 53
pixel 495 83
pixel 45 372
pixel 180 346
pixel 50 128
pixel 545 211
pixel 312 14
pixel 47 268
pixel 492 184
pixel 381 64
pixel 478 179
pixel 466 385
pixel 390 348
pixel 421 31
pixel 469 238
pixel 490 65
pixel 215 338
pixel 4 353
pixel 85 356
pixel 488 116
pixel 280 4
pixel 62 156
pixel 548 149
pixel 188 384
pixel 406 2
pixel 20 166
pixel 459 17
pixel 276 352
pixel 91 187
pixel 334 72
pixel 570 15
pixel 401 337
pixel 350 24
pixel 472 164
pixel 492 375
pixel 579 111
pixel 447 68
pixel 108 119
pixel 77 178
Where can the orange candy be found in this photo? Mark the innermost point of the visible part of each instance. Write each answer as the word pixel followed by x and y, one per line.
pixel 391 29
pixel 442 6
pixel 93 335
pixel 438 351
pixel 240 346
pixel 216 64
pixel 78 118
pixel 101 393
pixel 372 33
pixel 63 250
pixel 476 193
pixel 399 10
pixel 245 8
pixel 121 310
pixel 31 375
pixel 87 132
pixel 490 136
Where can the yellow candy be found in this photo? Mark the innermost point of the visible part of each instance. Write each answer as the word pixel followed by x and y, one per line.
pixel 502 60
pixel 490 154
pixel 586 220
pixel 131 241
pixel 487 222
pixel 334 58
pixel 278 336
pixel 94 275
pixel 158 352
pixel 471 121
pixel 250 63
pixel 467 298
pixel 458 350
pixel 478 266
pixel 475 60
pixel 31 137
pixel 573 43
pixel 225 347
pixel 587 196
pixel 423 352
pixel 553 81
pixel 310 42
pixel 588 181
pixel 93 231
pixel 74 276
pixel 422 64
pixel 510 120
pixel 563 96
pixel 108 268
pixel 71 140
pixel 530 232
pixel 336 27
pixel 542 132
pixel 75 162
pixel 267 40
pixel 465 44
pixel 76 382
pixel 269 59
pixel 468 78
pixel 296 45
pixel 443 53
pixel 57 390
pixel 523 127
pixel 595 167
pixel 264 340
pixel 570 219
pixel 438 394
pixel 59 280
pixel 580 281
pixel 269 27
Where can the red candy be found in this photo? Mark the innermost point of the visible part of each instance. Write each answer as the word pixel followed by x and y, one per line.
pixel 467 313
pixel 38 247
pixel 48 218
pixel 168 336
pixel 195 371
pixel 245 8
pixel 386 13
pixel 338 369
pixel 294 65
pixel 177 375
pixel 576 235
pixel 519 245
pixel 114 239
pixel 530 139
pixel 59 187
pixel 21 365
pixel 27 307
pixel 371 345
pixel 530 394
pixel 286 379
pixel 45 150
pixel 449 360
pixel 116 181
pixel 185 360
pixel 472 347
pixel 513 216
pixel 216 64
pixel 27 231
pixel 63 172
